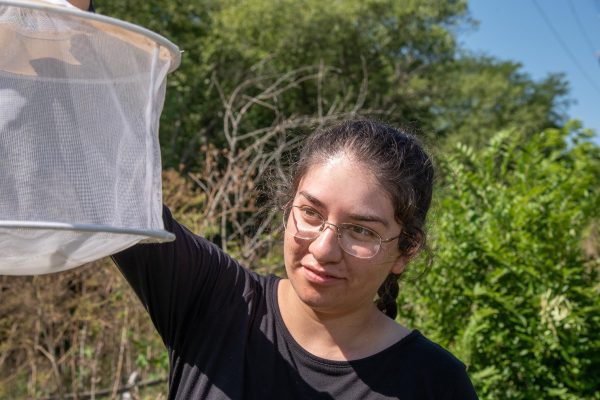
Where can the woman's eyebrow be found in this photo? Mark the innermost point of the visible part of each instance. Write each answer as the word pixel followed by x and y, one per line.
pixel 368 218
pixel 312 199
pixel 354 217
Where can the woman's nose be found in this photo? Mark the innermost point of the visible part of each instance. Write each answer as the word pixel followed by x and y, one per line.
pixel 326 248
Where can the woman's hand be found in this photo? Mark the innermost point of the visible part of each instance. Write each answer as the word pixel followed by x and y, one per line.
pixel 83 4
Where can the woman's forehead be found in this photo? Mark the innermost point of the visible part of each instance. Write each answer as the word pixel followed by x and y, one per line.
pixel 345 184
pixel 341 166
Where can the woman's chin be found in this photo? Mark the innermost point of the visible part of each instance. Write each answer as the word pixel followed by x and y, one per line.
pixel 318 300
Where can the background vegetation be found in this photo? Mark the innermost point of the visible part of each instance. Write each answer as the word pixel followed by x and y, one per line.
pixel 513 286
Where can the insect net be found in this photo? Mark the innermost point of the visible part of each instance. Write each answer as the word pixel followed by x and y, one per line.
pixel 80 99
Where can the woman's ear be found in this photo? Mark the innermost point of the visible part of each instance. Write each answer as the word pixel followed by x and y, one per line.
pixel 400 264
pixel 410 245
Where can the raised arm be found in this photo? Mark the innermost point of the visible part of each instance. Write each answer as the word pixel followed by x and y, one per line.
pixel 180 279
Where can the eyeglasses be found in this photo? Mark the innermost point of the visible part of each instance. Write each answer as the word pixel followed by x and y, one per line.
pixel 306 223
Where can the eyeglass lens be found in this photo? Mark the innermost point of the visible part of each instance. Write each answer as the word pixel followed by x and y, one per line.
pixel 353 239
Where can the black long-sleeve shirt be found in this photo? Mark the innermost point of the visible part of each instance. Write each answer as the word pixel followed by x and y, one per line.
pixel 226 339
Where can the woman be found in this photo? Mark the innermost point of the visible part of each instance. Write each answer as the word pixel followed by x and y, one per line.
pixel 354 215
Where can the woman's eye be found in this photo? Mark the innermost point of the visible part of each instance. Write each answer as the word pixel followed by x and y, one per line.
pixel 361 232
pixel 310 213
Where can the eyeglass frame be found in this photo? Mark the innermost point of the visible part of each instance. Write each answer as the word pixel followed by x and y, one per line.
pixel 338 231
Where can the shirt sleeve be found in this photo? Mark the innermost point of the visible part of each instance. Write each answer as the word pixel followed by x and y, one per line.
pixel 181 280
pixel 463 387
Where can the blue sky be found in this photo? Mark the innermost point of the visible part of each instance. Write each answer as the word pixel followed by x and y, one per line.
pixel 545 36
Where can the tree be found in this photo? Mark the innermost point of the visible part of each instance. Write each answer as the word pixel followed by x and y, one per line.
pixel 404 53
pixel 511 291
pixel 476 96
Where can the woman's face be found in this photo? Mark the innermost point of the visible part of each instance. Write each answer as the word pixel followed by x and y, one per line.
pixel 323 276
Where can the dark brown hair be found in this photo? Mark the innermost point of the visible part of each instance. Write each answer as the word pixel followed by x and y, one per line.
pixel 401 166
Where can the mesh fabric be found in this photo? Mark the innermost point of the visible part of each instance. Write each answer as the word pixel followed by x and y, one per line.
pixel 80 101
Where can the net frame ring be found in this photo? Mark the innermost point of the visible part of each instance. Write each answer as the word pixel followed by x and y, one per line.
pixel 47 239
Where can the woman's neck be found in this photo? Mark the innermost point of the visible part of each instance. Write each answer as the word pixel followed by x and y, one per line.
pixel 337 335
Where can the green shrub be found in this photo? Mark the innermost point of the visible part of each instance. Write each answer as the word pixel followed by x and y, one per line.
pixel 511 290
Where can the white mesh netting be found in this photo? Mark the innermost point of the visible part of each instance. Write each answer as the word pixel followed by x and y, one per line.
pixel 80 100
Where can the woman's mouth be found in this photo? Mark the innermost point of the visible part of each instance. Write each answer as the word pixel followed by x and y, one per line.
pixel 321 277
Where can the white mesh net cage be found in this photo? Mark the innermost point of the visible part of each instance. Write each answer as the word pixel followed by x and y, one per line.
pixel 80 99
